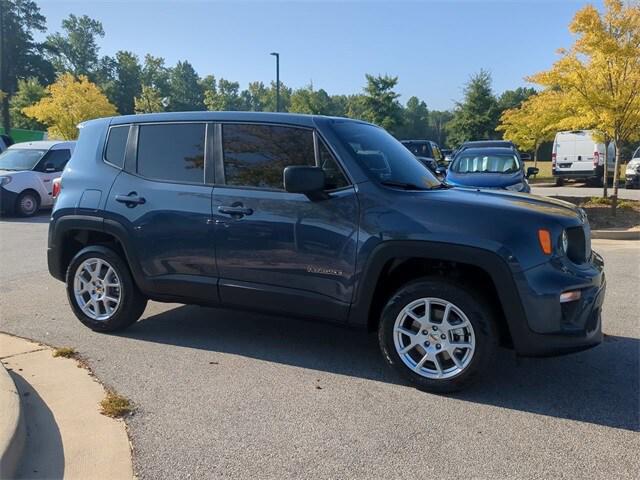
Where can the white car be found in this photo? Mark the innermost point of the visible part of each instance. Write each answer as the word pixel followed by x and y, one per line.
pixel 576 155
pixel 27 171
pixel 632 172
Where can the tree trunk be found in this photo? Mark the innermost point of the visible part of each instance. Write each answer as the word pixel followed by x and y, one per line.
pixel 605 174
pixel 4 87
pixel 614 198
pixel 535 154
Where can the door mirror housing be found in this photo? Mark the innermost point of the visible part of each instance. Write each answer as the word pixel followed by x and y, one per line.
pixel 532 171
pixel 303 179
pixel 441 170
pixel 49 168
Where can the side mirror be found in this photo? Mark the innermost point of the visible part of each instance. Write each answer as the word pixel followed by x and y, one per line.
pixel 441 170
pixel 525 157
pixel 532 171
pixel 49 168
pixel 303 179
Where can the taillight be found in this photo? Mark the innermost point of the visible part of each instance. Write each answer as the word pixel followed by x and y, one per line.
pixel 57 186
pixel 596 159
pixel 553 159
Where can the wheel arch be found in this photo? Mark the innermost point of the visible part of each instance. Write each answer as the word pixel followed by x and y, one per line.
pixel 392 264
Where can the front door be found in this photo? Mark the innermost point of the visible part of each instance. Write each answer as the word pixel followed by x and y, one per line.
pixel 165 206
pixel 282 251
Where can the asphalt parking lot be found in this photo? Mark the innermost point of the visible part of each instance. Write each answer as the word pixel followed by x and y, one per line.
pixel 223 394
pixel 581 190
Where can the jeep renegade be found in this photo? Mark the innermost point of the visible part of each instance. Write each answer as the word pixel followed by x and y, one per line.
pixel 319 218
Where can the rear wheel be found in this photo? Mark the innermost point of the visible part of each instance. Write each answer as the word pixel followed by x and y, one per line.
pixel 437 334
pixel 101 290
pixel 27 203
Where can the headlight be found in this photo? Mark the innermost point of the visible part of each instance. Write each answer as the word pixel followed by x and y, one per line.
pixel 565 242
pixel 5 180
pixel 516 187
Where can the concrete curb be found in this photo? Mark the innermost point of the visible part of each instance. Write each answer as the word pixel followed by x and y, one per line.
pixel 616 234
pixel 12 427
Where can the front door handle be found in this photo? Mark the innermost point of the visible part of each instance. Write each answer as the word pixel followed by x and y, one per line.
pixel 237 211
pixel 131 200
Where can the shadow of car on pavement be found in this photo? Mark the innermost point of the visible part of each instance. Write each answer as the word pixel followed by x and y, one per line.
pixel 599 386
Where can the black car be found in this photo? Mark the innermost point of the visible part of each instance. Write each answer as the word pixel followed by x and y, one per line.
pixel 426 151
pixel 321 218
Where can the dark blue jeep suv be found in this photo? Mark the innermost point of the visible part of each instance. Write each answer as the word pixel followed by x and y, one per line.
pixel 320 218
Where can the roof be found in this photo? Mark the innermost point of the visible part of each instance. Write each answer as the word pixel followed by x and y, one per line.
pixel 41 144
pixel 416 141
pixel 479 143
pixel 488 150
pixel 267 117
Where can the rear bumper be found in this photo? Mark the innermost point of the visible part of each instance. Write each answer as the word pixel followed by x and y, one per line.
pixel 595 173
pixel 553 328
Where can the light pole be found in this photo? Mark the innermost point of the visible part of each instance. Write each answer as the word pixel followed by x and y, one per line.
pixel 277 55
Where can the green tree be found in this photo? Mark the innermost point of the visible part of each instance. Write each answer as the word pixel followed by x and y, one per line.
pixel 128 84
pixel 76 50
pixel 416 120
pixel 149 100
pixel 476 117
pixel 185 90
pixel 438 126
pixel 380 103
pixel 155 74
pixel 222 95
pixel 20 55
pixel 513 98
pixel 29 92
pixel 254 97
pixel 308 100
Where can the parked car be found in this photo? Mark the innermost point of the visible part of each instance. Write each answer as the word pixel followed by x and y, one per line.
pixel 448 155
pixel 5 142
pixel 426 151
pixel 489 168
pixel 322 218
pixel 27 172
pixel 576 155
pixel 632 171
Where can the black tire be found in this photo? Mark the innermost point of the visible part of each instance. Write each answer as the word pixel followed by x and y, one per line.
pixel 27 204
pixel 559 182
pixel 132 302
pixel 478 314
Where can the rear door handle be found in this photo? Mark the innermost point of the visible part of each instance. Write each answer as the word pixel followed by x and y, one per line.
pixel 235 210
pixel 131 200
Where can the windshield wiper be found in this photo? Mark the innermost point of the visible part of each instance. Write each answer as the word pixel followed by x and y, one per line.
pixel 404 185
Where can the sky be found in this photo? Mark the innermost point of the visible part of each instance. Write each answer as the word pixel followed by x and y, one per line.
pixel 432 46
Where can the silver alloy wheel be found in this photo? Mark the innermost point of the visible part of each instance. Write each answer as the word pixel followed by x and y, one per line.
pixel 434 338
pixel 97 289
pixel 28 204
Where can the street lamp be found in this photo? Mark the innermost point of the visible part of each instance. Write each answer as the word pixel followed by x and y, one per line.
pixel 277 55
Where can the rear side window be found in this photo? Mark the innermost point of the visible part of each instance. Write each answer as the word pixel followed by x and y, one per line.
pixel 116 145
pixel 173 152
pixel 256 155
pixel 55 159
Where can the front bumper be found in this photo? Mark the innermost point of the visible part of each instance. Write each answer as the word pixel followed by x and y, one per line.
pixel 7 201
pixel 554 328
pixel 633 179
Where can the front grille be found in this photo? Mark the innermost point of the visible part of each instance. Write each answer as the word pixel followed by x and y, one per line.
pixel 577 251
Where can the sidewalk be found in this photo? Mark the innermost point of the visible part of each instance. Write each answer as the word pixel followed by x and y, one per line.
pixel 66 436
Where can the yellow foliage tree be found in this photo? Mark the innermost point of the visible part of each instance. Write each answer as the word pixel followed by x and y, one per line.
pixel 538 118
pixel 601 71
pixel 70 101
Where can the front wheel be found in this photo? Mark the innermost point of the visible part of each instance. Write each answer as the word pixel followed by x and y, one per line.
pixel 27 204
pixel 437 334
pixel 101 291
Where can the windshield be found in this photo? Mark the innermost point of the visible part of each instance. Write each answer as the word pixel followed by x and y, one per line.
pixel 384 156
pixel 637 154
pixel 491 163
pixel 20 159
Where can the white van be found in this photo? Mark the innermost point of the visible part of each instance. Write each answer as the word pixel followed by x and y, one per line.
pixel 577 155
pixel 27 172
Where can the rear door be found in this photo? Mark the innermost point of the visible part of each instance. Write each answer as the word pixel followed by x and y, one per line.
pixel 276 250
pixel 162 200
pixel 584 156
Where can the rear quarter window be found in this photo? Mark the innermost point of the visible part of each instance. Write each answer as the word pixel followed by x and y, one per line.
pixel 116 145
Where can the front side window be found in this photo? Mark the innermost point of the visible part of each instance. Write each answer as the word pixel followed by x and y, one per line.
pixel 172 152
pixel 333 176
pixel 492 163
pixel 256 155
pixel 384 157
pixel 116 145
pixel 16 159
pixel 55 159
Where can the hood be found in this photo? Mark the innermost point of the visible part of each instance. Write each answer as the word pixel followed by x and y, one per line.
pixel 484 180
